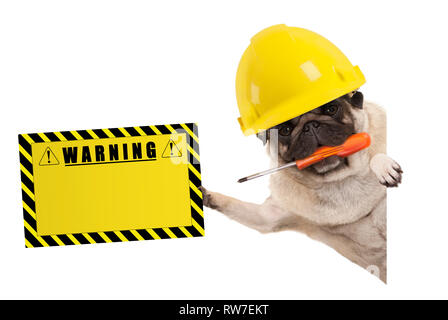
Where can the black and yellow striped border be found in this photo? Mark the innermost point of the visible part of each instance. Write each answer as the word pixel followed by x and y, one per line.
pixel 32 240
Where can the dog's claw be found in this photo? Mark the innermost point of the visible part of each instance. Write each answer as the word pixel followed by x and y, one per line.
pixel 204 195
pixel 392 175
pixel 397 167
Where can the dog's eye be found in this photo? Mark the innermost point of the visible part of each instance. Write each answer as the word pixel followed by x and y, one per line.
pixel 330 110
pixel 285 130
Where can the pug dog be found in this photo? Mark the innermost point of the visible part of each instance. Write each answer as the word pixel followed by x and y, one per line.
pixel 338 201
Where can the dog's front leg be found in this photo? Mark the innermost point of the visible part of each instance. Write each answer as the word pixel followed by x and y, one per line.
pixel 386 169
pixel 264 217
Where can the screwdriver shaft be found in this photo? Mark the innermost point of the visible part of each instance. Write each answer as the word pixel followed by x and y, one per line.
pixel 266 172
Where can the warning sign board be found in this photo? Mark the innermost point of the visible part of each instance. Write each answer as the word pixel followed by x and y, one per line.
pixel 111 185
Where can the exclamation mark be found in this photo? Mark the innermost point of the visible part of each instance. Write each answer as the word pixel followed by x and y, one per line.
pixel 171 148
pixel 48 154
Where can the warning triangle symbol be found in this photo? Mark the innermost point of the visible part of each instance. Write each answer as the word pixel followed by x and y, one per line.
pixel 171 150
pixel 48 158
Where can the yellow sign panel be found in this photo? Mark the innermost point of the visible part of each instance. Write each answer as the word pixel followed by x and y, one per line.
pixel 111 185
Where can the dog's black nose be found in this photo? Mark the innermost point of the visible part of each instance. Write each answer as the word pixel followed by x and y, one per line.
pixel 310 125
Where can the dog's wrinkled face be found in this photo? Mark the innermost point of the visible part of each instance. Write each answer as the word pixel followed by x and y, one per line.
pixel 328 125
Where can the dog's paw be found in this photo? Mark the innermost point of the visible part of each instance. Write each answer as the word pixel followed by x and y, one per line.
pixel 387 170
pixel 208 199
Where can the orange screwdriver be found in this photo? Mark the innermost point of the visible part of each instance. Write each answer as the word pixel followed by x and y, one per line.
pixel 353 144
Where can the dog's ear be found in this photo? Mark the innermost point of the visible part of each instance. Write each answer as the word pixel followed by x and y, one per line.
pixel 357 99
pixel 263 136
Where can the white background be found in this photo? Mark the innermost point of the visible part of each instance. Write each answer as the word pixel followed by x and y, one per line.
pixel 68 65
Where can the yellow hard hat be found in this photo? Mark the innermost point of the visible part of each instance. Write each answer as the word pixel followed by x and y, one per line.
pixel 288 71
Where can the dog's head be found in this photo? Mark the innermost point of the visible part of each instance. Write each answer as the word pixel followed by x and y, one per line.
pixel 328 125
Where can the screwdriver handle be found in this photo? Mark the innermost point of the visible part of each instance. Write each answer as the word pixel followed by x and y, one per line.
pixel 353 144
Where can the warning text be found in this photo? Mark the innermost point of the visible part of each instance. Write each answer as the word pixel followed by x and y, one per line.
pixel 112 153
